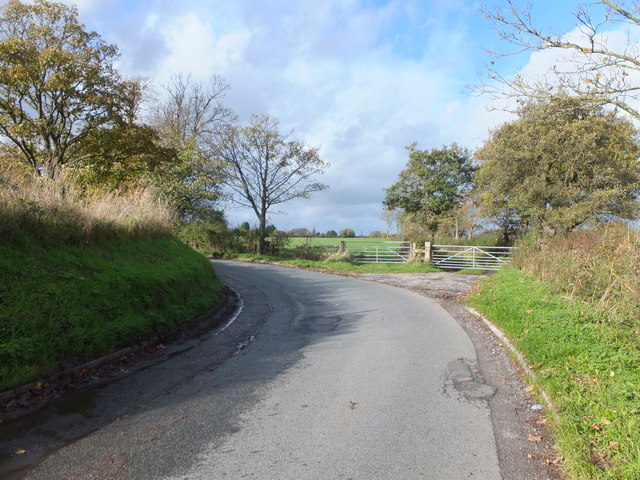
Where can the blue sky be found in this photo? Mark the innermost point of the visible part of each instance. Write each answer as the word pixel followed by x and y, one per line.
pixel 360 79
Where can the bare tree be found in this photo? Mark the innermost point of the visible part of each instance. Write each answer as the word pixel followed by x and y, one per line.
pixel 264 168
pixel 191 111
pixel 390 217
pixel 592 65
pixel 187 117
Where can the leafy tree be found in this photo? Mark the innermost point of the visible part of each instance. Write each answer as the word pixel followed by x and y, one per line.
pixel 122 157
pixel 562 163
pixel 347 233
pixel 264 168
pixel 57 83
pixel 591 66
pixel 188 117
pixel 331 234
pixel 432 185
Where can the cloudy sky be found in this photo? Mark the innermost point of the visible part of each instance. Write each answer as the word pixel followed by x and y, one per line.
pixel 360 79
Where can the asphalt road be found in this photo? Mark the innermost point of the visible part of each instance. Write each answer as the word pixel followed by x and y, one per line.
pixel 320 377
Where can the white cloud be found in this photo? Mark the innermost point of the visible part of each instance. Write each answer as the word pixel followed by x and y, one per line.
pixel 360 79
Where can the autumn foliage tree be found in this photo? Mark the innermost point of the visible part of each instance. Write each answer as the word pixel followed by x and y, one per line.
pixel 563 162
pixel 57 83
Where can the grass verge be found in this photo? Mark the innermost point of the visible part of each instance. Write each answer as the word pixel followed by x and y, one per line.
pixel 589 366
pixel 339 266
pixel 62 303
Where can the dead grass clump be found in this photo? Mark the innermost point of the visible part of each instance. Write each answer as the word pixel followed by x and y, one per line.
pixel 339 256
pixel 58 210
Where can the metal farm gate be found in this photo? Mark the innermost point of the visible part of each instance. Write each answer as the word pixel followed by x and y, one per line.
pixel 458 257
pixel 379 252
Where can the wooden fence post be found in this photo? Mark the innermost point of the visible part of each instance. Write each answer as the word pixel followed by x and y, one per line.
pixel 427 251
pixel 343 246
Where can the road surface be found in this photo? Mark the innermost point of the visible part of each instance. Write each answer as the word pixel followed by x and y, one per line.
pixel 320 377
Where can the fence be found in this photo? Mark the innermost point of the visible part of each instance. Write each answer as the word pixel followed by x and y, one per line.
pixel 379 252
pixel 458 257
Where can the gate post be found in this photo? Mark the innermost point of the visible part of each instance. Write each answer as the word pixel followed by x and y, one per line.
pixel 427 251
pixel 342 246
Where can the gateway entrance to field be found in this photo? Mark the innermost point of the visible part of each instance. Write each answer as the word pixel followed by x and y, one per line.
pixel 458 257
pixel 379 252
pixel 448 257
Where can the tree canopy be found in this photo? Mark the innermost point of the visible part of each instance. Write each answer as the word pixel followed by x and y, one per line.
pixel 431 186
pixel 564 162
pixel 187 120
pixel 57 82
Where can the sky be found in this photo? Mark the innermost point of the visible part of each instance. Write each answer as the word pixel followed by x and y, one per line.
pixel 360 79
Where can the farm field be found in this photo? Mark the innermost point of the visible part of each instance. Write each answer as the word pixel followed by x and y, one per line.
pixel 328 242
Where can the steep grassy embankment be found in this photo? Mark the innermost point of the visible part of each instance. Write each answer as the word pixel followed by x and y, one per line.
pixel 61 302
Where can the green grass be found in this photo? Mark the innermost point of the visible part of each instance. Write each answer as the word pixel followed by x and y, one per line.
pixel 588 364
pixel 67 303
pixel 339 266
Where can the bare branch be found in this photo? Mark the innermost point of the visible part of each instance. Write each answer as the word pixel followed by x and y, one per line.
pixel 590 67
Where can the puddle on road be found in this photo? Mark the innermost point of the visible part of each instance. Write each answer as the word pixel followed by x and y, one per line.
pixel 319 324
pixel 55 425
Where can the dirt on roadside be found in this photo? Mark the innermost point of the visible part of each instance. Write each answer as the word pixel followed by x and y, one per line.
pixel 440 285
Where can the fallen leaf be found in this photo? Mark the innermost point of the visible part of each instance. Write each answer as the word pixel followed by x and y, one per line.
pixel 605 421
pixel 596 426
pixel 612 374
pixel 21 452
pixel 613 444
pixel 542 421
pixel 533 438
pixel 529 455
pixel 529 389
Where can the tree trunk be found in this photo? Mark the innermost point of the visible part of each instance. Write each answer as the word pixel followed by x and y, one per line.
pixel 262 229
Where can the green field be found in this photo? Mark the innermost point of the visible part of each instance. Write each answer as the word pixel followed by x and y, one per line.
pixel 329 242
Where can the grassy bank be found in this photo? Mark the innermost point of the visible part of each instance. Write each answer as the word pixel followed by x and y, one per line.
pixel 63 303
pixel 83 274
pixel 587 359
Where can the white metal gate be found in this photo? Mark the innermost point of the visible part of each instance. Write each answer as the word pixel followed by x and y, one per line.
pixel 458 257
pixel 379 252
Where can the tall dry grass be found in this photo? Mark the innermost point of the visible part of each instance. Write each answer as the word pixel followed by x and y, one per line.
pixel 600 266
pixel 59 211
